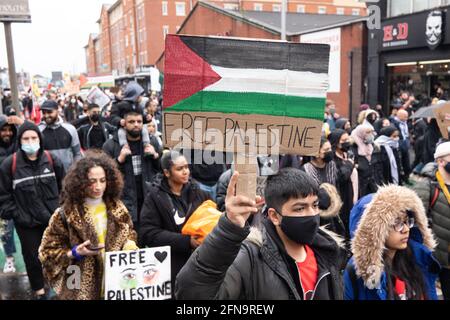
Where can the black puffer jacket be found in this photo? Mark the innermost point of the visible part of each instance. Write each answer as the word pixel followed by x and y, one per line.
pixel 227 267
pixel 30 194
pixel 164 214
pixel 439 213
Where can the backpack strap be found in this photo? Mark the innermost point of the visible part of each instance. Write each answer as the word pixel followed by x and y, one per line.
pixel 49 157
pixel 435 196
pixel 352 274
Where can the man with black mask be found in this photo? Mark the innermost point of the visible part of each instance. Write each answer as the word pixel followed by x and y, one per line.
pixel 138 170
pixel 290 257
pixel 94 134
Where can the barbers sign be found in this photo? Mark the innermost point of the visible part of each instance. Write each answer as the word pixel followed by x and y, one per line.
pixel 14 11
pixel 425 29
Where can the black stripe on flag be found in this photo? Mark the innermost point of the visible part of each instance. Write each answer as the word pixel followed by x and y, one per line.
pixel 236 53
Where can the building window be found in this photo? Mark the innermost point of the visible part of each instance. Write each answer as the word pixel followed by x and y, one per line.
pixel 340 11
pixel 165 9
pixel 230 6
pixel 276 8
pixel 301 8
pixel 180 9
pixel 355 12
pixel 165 31
pixel 258 6
pixel 322 10
pixel 177 28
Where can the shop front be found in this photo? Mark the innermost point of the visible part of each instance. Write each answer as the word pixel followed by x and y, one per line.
pixel 409 53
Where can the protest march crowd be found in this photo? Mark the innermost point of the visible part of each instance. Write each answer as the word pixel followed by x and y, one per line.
pixel 361 220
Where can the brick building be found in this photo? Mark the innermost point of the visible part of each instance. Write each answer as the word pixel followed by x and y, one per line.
pixel 132 32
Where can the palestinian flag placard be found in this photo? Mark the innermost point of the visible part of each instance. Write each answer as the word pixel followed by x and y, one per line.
pixel 219 91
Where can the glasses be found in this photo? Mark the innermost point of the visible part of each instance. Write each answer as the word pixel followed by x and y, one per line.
pixel 400 225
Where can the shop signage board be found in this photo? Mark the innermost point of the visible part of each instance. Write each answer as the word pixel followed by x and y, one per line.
pixel 426 29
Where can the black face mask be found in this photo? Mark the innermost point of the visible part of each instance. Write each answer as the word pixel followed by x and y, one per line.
pixel 95 117
pixel 328 157
pixel 134 134
pixel 447 167
pixel 301 230
pixel 345 146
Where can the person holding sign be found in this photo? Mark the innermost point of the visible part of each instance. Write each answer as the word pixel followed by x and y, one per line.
pixel 91 221
pixel 170 201
pixel 290 257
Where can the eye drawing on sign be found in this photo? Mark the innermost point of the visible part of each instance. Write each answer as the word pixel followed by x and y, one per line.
pixel 131 278
pixel 434 28
pixel 128 279
pixel 150 274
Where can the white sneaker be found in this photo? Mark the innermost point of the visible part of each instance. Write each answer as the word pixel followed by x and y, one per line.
pixel 9 266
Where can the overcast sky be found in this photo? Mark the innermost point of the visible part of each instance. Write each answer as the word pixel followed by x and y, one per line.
pixel 55 39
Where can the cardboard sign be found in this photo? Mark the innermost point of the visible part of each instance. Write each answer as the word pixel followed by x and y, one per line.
pixel 138 275
pixel 442 115
pixel 234 95
pixel 98 97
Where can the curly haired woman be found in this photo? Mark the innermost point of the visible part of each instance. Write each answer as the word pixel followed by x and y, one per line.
pixel 90 221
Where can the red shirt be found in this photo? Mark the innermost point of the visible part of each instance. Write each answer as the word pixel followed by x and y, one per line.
pixel 307 271
pixel 400 288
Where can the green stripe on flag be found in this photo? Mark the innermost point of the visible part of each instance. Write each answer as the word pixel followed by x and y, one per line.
pixel 252 103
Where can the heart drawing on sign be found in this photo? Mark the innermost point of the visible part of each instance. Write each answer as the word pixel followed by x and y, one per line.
pixel 161 256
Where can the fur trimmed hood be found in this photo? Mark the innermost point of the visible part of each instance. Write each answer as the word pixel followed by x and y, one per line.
pixel 368 244
pixel 335 201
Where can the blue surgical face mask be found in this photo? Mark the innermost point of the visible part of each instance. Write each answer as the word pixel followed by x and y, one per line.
pixel 31 148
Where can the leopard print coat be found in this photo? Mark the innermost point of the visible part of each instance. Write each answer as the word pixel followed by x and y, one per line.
pixel 60 237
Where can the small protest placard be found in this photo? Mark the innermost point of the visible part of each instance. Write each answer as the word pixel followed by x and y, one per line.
pixel 98 97
pixel 138 275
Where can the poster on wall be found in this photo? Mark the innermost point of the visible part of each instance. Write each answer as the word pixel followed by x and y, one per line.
pixel 333 38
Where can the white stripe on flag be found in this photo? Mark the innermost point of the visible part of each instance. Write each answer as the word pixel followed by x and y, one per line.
pixel 285 82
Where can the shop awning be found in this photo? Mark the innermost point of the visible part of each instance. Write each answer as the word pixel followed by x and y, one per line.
pixel 101 82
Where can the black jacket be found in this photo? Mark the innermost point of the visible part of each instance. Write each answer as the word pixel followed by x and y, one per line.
pixel 31 194
pixel 84 131
pixel 386 165
pixel 130 95
pixel 7 149
pixel 370 173
pixel 150 168
pixel 227 267
pixel 158 219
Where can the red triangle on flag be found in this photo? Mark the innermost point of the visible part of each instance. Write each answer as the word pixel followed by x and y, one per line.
pixel 186 73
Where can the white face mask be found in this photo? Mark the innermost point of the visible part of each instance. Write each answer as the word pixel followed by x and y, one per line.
pixel 73 101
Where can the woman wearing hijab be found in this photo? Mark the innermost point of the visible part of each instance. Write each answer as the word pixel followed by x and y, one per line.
pixel 347 181
pixel 390 155
pixel 366 160
pixel 344 124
